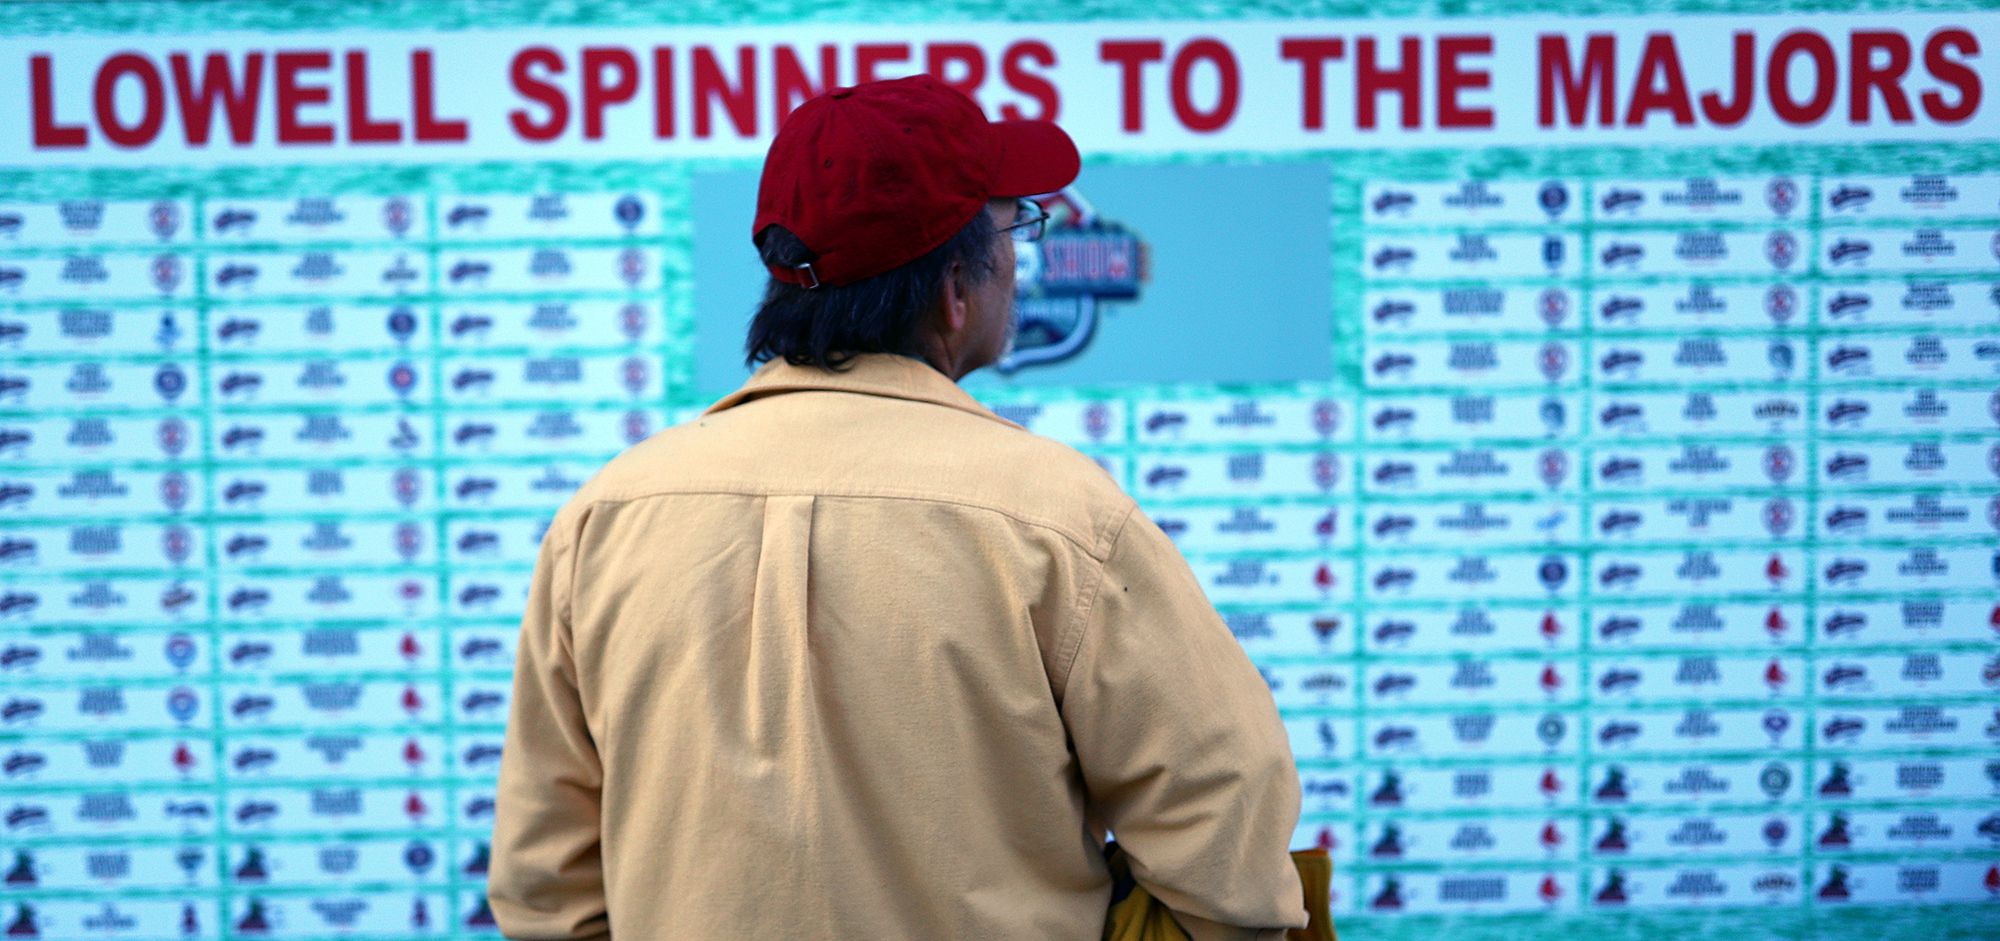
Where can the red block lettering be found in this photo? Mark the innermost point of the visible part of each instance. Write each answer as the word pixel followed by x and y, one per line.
pixel 1729 114
pixel 197 101
pixel 41 75
pixel 868 55
pixel 1031 84
pixel 1371 80
pixel 710 86
pixel 791 86
pixel 1451 79
pixel 940 56
pixel 1576 82
pixel 361 128
pixel 663 95
pixel 1229 79
pixel 423 91
pixel 1312 55
pixel 152 101
pixel 292 96
pixel 1660 86
pixel 1131 56
pixel 600 93
pixel 1953 73
pixel 539 90
pixel 1777 77
pixel 1886 78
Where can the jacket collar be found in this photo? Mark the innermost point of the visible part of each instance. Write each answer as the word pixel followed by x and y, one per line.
pixel 884 374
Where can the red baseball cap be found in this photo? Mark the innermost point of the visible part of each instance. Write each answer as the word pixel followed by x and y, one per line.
pixel 873 176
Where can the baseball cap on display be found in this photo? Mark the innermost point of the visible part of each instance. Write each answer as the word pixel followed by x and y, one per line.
pixel 873 176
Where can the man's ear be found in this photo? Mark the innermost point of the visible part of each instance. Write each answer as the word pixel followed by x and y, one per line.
pixel 957 311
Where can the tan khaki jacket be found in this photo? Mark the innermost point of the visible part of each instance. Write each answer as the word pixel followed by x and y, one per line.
pixel 852 657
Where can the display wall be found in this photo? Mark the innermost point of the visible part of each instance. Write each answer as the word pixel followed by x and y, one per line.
pixel 1590 424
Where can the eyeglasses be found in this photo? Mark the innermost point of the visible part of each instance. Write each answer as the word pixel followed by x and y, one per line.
pixel 1029 221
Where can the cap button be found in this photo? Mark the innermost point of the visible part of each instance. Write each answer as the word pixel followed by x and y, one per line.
pixel 842 92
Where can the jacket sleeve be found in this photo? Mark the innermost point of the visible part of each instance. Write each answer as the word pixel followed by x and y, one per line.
pixel 1181 749
pixel 545 878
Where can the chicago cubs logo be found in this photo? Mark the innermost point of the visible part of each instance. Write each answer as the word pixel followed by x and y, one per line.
pixel 402 378
pixel 1553 197
pixel 628 211
pixel 632 320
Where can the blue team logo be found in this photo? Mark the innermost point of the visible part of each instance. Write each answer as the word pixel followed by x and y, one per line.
pixel 176 543
pixel 396 216
pixel 628 211
pixel 180 651
pixel 632 320
pixel 165 218
pixel 635 374
pixel 174 490
pixel 419 857
pixel 1782 248
pixel 173 436
pixel 632 266
pixel 182 703
pixel 1782 195
pixel 409 540
pixel 1554 361
pixel 1061 281
pixel 1096 420
pixel 402 324
pixel 405 484
pixel 402 378
pixel 167 273
pixel 1326 417
pixel 1325 471
pixel 1553 198
pixel 170 381
pixel 1553 306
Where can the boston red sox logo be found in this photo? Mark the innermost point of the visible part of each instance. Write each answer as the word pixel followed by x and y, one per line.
pixel 1782 248
pixel 1782 195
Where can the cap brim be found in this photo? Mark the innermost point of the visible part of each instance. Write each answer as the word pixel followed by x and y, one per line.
pixel 1036 157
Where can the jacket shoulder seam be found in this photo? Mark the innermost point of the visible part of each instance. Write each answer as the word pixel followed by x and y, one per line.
pixel 1089 546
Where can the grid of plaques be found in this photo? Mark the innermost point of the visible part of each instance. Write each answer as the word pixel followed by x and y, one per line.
pixel 1642 557
pixel 275 471
pixel 1647 559
pixel 1677 516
